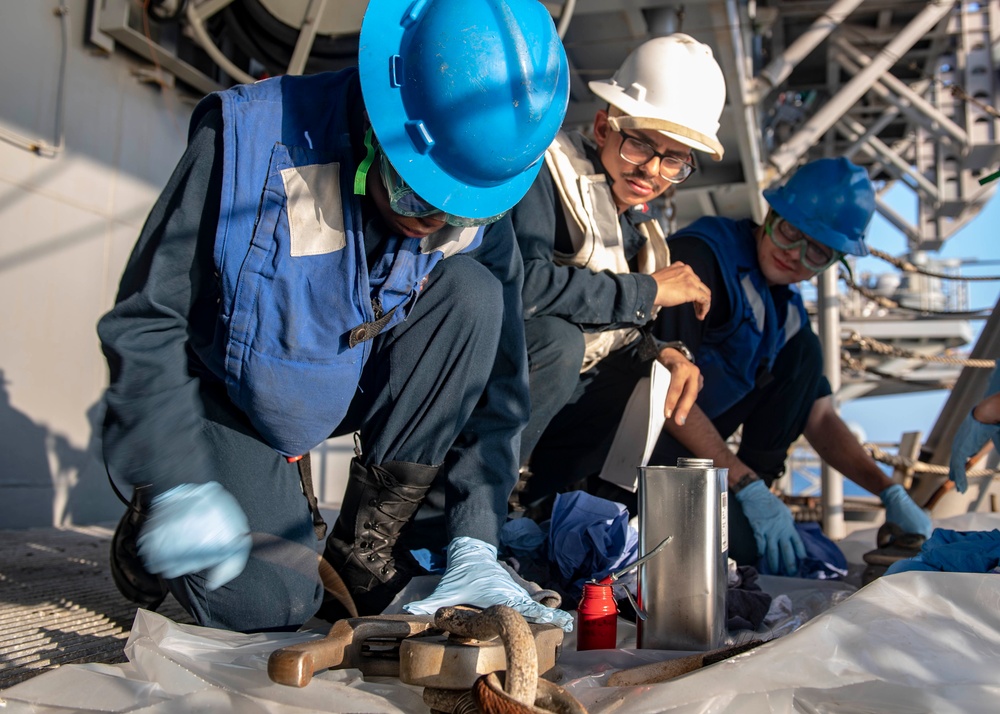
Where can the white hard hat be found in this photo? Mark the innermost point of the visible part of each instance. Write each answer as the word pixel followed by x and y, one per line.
pixel 673 85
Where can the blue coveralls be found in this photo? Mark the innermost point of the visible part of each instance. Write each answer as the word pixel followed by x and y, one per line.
pixel 447 386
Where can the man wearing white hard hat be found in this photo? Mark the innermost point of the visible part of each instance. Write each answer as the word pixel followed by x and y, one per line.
pixel 597 269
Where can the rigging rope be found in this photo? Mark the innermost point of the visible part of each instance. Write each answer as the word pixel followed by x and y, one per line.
pixel 870 344
pixel 885 302
pixel 901 462
pixel 908 267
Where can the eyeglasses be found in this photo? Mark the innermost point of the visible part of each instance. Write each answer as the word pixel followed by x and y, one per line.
pixel 636 151
pixel 813 255
pixel 404 201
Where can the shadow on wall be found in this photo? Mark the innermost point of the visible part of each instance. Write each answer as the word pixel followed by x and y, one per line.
pixel 44 479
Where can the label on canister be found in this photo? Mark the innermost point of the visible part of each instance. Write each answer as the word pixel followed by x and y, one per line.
pixel 724 520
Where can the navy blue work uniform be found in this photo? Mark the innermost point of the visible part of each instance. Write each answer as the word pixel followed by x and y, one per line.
pixel 443 392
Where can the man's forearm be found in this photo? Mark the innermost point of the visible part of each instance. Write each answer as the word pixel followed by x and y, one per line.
pixel 837 446
pixel 701 438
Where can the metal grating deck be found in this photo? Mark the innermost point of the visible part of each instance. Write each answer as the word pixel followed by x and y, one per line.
pixel 58 603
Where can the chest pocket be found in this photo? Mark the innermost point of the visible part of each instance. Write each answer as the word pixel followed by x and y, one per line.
pixel 315 210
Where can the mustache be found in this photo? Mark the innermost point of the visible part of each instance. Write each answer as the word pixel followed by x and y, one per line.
pixel 641 177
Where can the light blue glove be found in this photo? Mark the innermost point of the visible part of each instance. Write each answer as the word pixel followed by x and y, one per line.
pixel 901 510
pixel 474 577
pixel 195 527
pixel 971 436
pixel 773 528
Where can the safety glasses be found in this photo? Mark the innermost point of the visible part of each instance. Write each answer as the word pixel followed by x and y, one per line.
pixel 813 255
pixel 403 200
pixel 637 152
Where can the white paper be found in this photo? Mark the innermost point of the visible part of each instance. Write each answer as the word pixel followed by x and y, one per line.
pixel 639 429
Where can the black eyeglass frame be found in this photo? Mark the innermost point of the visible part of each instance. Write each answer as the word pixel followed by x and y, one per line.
pixel 665 159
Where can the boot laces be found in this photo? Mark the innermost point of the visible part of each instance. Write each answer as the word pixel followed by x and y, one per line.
pixel 383 532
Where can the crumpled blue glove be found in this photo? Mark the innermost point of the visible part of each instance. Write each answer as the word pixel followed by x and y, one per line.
pixel 773 528
pixel 474 577
pixel 195 527
pixel 971 436
pixel 901 510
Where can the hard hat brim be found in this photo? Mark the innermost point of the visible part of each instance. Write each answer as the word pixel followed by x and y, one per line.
pixel 633 119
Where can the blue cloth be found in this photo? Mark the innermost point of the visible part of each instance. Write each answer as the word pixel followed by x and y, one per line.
pixel 433 561
pixel 589 538
pixel 954 552
pixel 523 537
pixel 762 318
pixel 824 560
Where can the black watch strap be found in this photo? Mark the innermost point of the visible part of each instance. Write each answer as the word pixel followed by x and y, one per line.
pixel 745 481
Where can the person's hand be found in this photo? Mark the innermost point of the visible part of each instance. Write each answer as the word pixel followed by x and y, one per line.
pixel 195 527
pixel 971 436
pixel 677 284
pixel 474 577
pixel 773 528
pixel 901 510
pixel 685 383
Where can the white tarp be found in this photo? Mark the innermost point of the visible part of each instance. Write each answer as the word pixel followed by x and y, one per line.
pixel 908 643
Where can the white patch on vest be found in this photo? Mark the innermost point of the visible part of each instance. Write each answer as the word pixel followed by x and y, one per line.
pixel 315 211
pixel 794 322
pixel 756 301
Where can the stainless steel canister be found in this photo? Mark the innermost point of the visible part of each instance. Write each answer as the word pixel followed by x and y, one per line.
pixel 683 588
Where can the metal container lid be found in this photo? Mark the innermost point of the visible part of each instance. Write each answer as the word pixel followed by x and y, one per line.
pixel 693 463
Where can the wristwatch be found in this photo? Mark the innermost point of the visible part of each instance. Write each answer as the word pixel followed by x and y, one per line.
pixel 680 347
pixel 745 481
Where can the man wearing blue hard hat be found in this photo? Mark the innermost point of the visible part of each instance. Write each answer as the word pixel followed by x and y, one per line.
pixel 762 363
pixel 332 255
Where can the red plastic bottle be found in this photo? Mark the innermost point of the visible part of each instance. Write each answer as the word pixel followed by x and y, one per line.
pixel 597 621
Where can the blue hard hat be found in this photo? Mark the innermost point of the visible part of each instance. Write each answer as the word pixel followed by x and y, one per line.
pixel 464 96
pixel 830 200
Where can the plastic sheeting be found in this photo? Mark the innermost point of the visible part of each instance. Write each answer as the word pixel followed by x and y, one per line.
pixel 907 643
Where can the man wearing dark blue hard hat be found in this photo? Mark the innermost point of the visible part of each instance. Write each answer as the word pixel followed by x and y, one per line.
pixel 761 362
pixel 332 255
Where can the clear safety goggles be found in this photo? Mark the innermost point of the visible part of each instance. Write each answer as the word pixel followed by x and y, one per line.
pixel 636 151
pixel 813 255
pixel 403 200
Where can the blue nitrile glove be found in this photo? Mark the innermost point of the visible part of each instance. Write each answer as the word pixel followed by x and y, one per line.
pixel 971 436
pixel 773 528
pixel 901 510
pixel 474 577
pixel 195 527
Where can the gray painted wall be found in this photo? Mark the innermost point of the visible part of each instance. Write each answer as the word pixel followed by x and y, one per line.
pixel 67 225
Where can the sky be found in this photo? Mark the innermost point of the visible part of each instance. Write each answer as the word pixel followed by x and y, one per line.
pixel 885 419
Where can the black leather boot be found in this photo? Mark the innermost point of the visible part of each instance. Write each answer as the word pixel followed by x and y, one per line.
pixel 131 578
pixel 379 503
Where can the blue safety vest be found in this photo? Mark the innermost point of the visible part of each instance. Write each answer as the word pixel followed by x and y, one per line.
pixel 298 304
pixel 761 320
